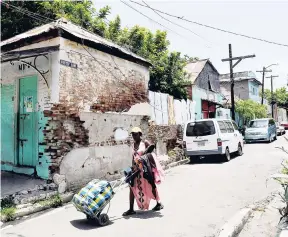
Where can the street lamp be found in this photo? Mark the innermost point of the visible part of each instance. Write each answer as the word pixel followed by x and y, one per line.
pixel 274 64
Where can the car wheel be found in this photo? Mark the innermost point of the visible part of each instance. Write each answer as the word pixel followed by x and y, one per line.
pixel 240 150
pixel 270 139
pixel 227 156
pixel 276 137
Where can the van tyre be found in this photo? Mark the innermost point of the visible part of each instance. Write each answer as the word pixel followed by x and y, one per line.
pixel 276 137
pixel 227 156
pixel 194 159
pixel 240 150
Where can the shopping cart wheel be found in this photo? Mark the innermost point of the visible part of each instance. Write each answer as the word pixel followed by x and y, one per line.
pixel 103 219
pixel 89 217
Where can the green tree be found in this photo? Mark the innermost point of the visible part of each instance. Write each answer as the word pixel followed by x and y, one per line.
pixel 167 73
pixel 280 96
pixel 250 109
pixel 20 16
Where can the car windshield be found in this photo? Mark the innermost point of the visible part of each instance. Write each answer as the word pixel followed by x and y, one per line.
pixel 200 128
pixel 258 124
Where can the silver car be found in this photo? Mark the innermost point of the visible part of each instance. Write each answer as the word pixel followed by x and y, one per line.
pixel 261 130
pixel 280 129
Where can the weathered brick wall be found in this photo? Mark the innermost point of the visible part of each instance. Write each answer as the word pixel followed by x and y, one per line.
pixel 63 132
pixel 102 82
pixel 168 140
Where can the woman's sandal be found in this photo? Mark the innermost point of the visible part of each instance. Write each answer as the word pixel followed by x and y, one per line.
pixel 158 207
pixel 129 213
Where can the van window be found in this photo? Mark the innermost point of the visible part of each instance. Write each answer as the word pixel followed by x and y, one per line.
pixel 200 128
pixel 229 126
pixel 258 124
pixel 222 127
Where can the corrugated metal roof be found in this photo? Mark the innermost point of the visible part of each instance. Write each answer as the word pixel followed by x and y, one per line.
pixel 194 68
pixel 73 29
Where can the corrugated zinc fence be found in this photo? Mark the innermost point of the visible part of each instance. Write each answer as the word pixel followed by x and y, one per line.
pixel 166 110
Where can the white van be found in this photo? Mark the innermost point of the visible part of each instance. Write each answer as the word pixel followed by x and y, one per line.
pixel 212 137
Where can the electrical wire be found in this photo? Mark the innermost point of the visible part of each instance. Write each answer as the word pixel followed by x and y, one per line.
pixel 212 27
pixel 152 19
pixel 28 13
pixel 174 23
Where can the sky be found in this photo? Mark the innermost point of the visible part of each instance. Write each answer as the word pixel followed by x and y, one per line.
pixel 262 19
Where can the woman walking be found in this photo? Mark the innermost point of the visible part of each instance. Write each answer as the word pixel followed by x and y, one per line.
pixel 143 186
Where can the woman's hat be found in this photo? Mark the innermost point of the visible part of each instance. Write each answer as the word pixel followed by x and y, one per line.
pixel 136 130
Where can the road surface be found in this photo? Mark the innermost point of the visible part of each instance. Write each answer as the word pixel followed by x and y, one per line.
pixel 198 200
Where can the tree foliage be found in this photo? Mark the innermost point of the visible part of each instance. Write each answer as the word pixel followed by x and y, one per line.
pixel 250 109
pixel 167 73
pixel 280 96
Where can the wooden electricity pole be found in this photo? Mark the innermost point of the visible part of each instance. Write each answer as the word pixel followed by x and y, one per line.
pixel 231 59
pixel 263 77
pixel 272 96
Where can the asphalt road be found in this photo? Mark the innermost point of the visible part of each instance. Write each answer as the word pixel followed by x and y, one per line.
pixel 198 200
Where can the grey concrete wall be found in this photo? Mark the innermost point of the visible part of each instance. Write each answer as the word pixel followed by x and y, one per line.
pixel 241 89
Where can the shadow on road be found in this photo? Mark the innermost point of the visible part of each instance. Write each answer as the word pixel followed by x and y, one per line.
pixel 84 224
pixel 217 160
pixel 207 160
pixel 145 215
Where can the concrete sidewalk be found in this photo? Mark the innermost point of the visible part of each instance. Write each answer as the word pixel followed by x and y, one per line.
pixel 265 218
pixel 12 183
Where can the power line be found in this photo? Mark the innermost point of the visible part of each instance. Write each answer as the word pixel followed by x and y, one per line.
pixel 151 19
pixel 35 18
pixel 212 27
pixel 174 23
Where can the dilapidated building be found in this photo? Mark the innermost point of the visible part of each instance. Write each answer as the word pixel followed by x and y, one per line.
pixel 205 88
pixel 53 78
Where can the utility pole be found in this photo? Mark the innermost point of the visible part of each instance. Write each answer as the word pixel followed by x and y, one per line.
pixel 272 96
pixel 231 65
pixel 263 77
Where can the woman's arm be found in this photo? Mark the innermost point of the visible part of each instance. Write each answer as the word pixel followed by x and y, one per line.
pixel 147 143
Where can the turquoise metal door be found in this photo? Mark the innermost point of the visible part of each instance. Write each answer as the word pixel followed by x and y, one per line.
pixel 27 137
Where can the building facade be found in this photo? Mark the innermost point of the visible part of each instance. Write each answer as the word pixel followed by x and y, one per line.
pixel 246 86
pixel 52 76
pixel 205 88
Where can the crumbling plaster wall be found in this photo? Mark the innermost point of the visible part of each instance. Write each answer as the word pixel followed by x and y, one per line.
pixel 106 155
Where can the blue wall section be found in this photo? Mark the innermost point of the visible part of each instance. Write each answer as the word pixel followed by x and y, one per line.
pixel 254 91
pixel 198 94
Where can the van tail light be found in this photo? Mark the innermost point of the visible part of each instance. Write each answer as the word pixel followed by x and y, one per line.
pixel 219 142
pixel 184 145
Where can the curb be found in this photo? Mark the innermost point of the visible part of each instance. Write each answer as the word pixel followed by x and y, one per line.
pixel 28 209
pixel 234 226
pixel 177 163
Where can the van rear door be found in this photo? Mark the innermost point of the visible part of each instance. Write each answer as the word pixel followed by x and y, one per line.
pixel 201 136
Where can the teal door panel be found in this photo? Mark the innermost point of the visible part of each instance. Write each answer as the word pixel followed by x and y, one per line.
pixel 7 124
pixel 27 139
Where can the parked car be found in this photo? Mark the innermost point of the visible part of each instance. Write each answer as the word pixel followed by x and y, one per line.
pixel 210 137
pixel 280 129
pixel 285 125
pixel 261 130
